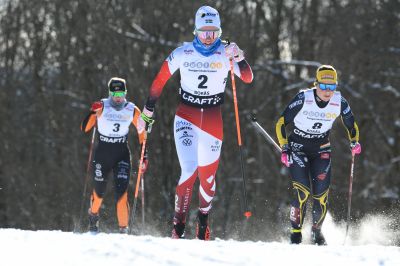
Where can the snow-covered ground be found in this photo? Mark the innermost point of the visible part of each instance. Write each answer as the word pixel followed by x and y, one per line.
pixel 18 247
pixel 369 244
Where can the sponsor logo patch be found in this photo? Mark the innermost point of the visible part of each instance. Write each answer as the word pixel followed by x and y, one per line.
pixel 308 136
pixel 207 101
pixel 325 156
pixel 203 65
pixel 321 176
pixel 216 147
pixel 346 110
pixel 319 114
pixel 327 76
pixel 187 142
pixel 116 117
pixel 295 215
pixel 297 160
pixel 182 124
pixel 112 140
pixel 298 102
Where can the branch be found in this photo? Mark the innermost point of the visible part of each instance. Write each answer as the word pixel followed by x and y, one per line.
pixel 143 36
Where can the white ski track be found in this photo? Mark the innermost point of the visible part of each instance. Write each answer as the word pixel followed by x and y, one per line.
pixel 19 247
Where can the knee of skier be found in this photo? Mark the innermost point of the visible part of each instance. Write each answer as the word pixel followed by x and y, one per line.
pixel 188 169
pixel 302 192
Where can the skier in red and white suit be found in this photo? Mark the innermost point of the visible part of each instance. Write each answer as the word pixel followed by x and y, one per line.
pixel 204 64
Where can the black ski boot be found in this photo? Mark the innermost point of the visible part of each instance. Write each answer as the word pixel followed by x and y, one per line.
pixel 93 222
pixel 124 230
pixel 202 228
pixel 295 237
pixel 178 231
pixel 317 237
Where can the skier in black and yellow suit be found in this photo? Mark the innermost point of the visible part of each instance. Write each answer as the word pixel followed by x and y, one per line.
pixel 307 150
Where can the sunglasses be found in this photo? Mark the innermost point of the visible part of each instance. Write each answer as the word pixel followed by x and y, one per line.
pixel 204 34
pixel 117 93
pixel 324 87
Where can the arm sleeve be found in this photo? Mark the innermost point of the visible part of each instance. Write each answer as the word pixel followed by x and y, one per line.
pixel 243 70
pixel 168 68
pixel 88 122
pixel 158 85
pixel 287 117
pixel 135 123
pixel 349 121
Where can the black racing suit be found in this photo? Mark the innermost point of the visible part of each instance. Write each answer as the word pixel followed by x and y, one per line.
pixel 310 160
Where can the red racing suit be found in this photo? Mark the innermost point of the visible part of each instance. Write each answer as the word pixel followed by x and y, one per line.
pixel 198 128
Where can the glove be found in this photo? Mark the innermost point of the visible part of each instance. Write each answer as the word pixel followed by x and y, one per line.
pixel 355 148
pixel 145 120
pixel 285 155
pixel 233 51
pixel 96 106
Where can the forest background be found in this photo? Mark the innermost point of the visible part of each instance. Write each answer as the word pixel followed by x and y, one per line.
pixel 56 57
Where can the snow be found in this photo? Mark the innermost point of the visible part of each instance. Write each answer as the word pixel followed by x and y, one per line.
pixel 20 247
pixel 368 244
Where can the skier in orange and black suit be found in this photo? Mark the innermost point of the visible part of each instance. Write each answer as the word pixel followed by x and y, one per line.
pixel 113 116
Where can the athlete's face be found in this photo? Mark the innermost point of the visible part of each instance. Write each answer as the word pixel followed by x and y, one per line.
pixel 325 92
pixel 208 34
pixel 118 99
pixel 118 96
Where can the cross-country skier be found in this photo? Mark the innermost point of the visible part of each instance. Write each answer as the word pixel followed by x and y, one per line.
pixel 113 116
pixel 307 150
pixel 204 65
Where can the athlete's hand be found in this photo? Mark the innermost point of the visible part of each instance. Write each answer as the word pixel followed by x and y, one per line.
pixel 145 120
pixel 355 148
pixel 233 51
pixel 96 106
pixel 285 155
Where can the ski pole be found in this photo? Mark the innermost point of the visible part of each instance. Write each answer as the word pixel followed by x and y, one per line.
pixel 87 174
pixel 264 133
pixel 247 213
pixel 142 194
pixel 349 196
pixel 137 184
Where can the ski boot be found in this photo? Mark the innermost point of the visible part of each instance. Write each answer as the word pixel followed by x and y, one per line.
pixel 317 237
pixel 93 222
pixel 178 231
pixel 295 236
pixel 124 230
pixel 202 228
